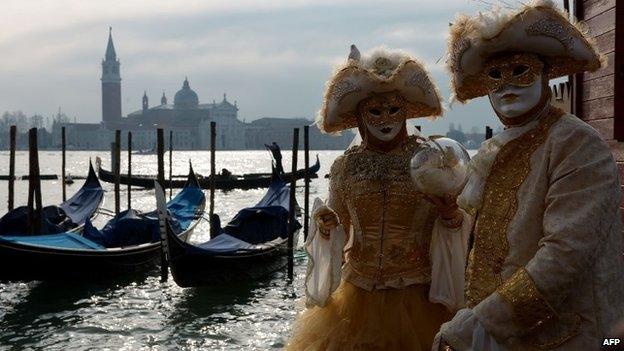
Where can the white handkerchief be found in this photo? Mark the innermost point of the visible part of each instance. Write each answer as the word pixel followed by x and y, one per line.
pixel 324 262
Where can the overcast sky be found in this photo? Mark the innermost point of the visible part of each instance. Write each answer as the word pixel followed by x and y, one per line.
pixel 273 57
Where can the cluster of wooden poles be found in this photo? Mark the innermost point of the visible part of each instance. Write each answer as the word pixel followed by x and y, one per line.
pixel 35 209
pixel 35 214
pixel 160 151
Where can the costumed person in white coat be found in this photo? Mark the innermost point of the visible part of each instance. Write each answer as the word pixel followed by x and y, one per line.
pixel 392 293
pixel 545 270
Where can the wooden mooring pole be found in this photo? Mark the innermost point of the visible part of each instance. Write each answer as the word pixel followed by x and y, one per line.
pixel 117 170
pixel 129 170
pixel 35 217
pixel 306 194
pixel 160 151
pixel 13 135
pixel 213 145
pixel 63 163
pixel 488 132
pixel 170 164
pixel 293 203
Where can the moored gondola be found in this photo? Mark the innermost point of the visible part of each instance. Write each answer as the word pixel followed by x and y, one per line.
pixel 70 215
pixel 129 242
pixel 252 245
pixel 222 181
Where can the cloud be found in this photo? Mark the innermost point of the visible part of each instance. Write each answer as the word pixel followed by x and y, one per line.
pixel 272 56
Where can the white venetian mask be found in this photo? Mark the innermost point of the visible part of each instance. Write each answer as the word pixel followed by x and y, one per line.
pixel 383 115
pixel 511 101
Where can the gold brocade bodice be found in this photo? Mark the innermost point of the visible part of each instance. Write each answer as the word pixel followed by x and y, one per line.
pixel 391 222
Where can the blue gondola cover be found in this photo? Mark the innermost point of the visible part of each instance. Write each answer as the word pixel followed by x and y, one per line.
pixel 58 219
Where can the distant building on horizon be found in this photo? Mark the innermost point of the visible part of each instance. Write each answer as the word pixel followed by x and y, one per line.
pixel 187 118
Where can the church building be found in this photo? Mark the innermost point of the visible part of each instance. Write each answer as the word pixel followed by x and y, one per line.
pixel 186 118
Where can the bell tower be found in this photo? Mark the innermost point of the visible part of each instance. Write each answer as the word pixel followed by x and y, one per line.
pixel 145 102
pixel 111 84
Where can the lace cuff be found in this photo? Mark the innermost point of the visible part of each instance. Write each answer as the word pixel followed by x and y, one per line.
pixel 530 309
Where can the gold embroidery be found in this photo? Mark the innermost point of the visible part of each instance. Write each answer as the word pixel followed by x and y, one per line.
pixel 392 223
pixel 511 167
pixel 545 329
pixel 360 254
pixel 411 254
pixel 362 165
pixel 530 309
pixel 558 331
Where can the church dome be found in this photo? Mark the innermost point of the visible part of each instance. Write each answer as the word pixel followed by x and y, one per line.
pixel 185 97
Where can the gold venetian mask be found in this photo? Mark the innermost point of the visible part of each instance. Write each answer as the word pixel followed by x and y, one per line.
pixel 383 108
pixel 515 69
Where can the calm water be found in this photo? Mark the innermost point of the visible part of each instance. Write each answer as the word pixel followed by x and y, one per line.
pixel 139 312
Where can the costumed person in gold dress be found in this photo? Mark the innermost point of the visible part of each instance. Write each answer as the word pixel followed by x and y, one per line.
pixel 546 269
pixel 391 293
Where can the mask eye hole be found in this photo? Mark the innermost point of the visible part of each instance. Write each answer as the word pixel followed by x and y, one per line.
pixel 374 112
pixel 495 73
pixel 394 110
pixel 520 69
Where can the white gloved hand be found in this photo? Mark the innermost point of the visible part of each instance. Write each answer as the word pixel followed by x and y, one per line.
pixel 326 220
pixel 464 333
pixel 457 333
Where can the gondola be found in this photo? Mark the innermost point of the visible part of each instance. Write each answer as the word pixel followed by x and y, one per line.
pixel 129 242
pixel 224 182
pixel 70 215
pixel 252 245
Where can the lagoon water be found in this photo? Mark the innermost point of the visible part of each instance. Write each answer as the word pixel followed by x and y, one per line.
pixel 140 312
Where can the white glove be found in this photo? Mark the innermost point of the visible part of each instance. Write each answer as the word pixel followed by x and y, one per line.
pixel 465 333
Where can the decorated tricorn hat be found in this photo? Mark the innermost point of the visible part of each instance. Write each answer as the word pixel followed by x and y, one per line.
pixel 378 71
pixel 539 28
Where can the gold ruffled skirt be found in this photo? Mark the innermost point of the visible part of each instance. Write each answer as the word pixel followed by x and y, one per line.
pixel 357 319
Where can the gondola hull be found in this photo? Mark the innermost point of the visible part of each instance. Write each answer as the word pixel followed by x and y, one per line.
pixel 254 181
pixel 191 267
pixel 21 262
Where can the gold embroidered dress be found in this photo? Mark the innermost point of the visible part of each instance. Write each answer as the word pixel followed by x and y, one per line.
pixel 383 299
pixel 382 303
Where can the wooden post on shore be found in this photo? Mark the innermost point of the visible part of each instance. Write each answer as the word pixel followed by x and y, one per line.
pixel 129 170
pixel 170 164
pixel 293 204
pixel 213 143
pixel 117 170
pixel 160 151
pixel 35 217
pixel 112 151
pixel 488 132
pixel 63 163
pixel 13 135
pixel 306 194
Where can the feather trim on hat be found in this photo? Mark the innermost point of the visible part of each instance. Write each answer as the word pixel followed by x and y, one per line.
pixel 500 30
pixel 380 70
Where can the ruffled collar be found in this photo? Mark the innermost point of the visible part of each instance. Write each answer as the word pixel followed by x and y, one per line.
pixel 471 198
